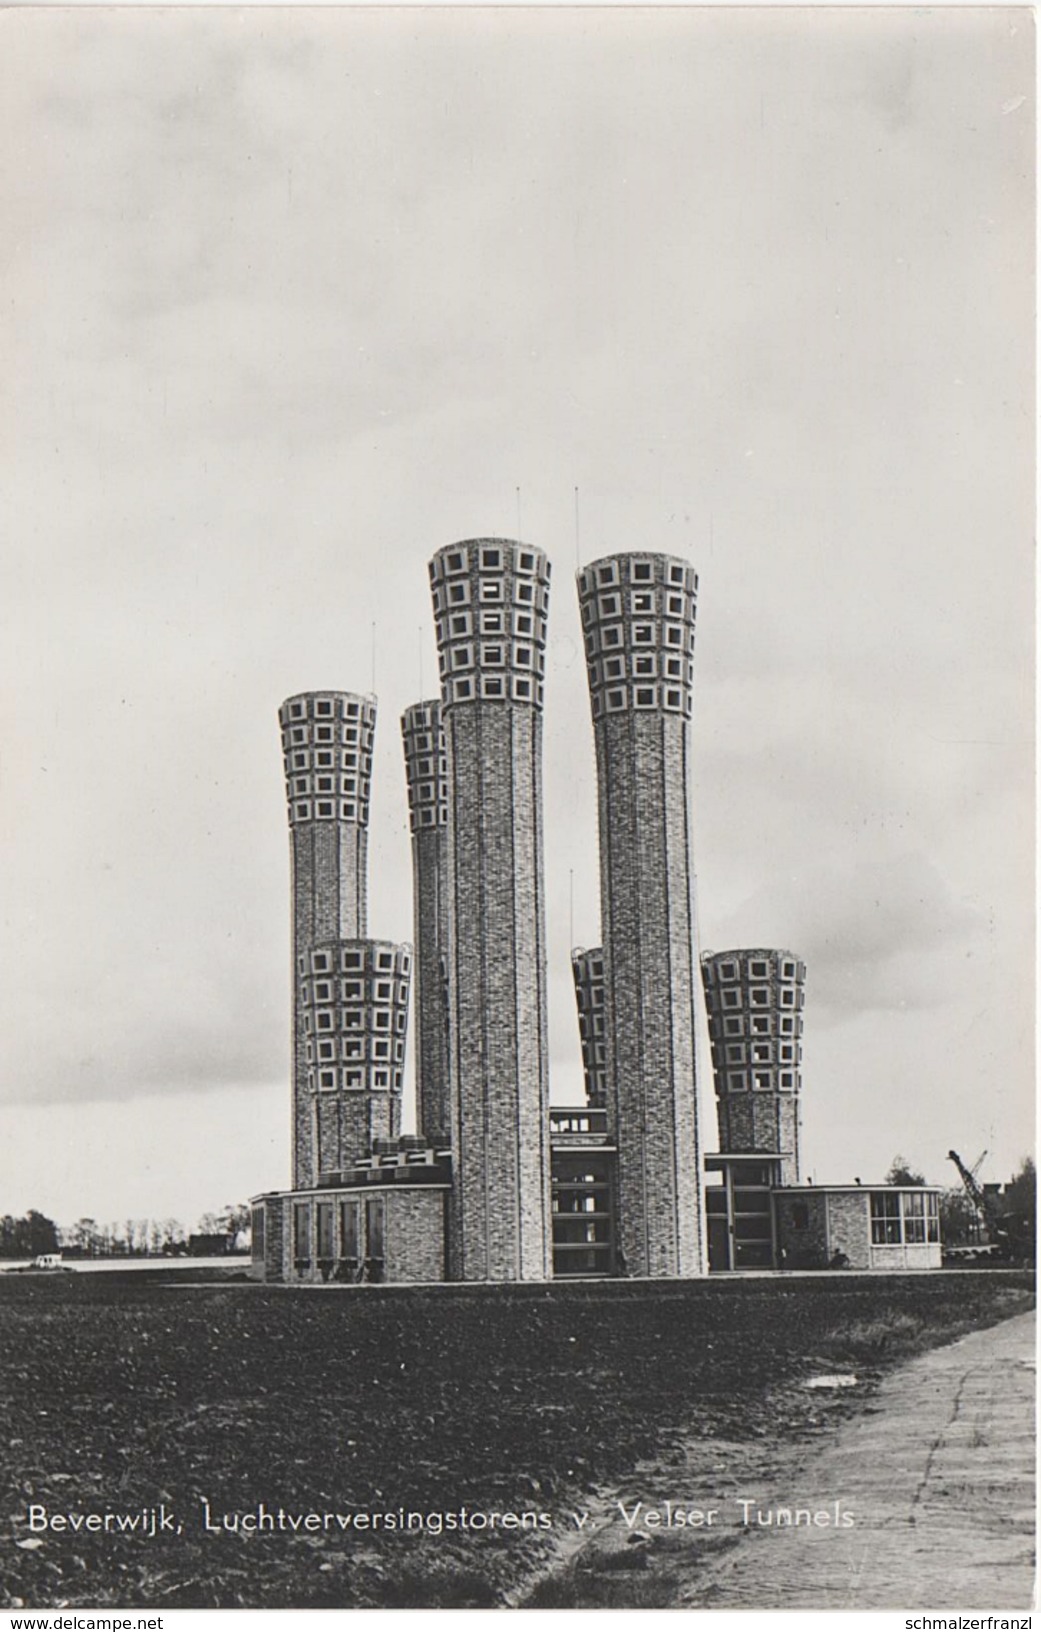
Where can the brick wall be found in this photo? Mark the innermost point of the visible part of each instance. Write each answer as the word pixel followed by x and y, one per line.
pixel 650 964
pixel 416 1246
pixel 413 1233
pixel 272 1265
pixel 490 603
pixel 849 1227
pixel 497 996
pixel 426 772
pixel 803 1245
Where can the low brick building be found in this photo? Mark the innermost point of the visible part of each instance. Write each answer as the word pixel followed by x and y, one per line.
pixel 875 1227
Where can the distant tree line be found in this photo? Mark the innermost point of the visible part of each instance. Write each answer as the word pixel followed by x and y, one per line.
pixel 226 1231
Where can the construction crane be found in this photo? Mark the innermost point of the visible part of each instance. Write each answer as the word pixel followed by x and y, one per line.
pixel 1007 1231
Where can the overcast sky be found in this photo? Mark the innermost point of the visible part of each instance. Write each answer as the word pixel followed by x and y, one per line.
pixel 288 300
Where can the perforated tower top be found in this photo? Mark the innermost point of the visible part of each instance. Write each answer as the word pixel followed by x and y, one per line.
pixel 638 625
pixel 491 597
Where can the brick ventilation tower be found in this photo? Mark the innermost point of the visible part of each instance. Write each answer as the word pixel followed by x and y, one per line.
pixel 490 604
pixel 424 743
pixel 327 749
pixel 352 998
pixel 755 1008
pixel 638 624
pixel 587 967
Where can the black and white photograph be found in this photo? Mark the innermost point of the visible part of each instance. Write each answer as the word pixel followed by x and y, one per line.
pixel 517 809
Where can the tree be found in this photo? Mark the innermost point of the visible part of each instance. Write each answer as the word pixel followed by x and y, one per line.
pixel 237 1221
pixel 231 1222
pixel 28 1236
pixel 959 1220
pixel 42 1233
pixel 1020 1202
pixel 900 1173
pixel 85 1237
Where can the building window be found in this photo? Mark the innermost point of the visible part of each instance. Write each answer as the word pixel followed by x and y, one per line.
pixel 324 1229
pixel 885 1218
pixel 301 1230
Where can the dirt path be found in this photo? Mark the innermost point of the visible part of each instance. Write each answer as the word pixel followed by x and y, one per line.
pixel 922 1501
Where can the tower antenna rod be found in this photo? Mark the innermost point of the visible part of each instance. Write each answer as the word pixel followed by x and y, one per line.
pixel 517 490
pixel 374 657
pixel 571 907
pixel 578 559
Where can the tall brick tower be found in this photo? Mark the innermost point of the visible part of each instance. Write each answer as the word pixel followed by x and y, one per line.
pixel 754 998
pixel 424 743
pixel 638 623
pixel 587 969
pixel 327 749
pixel 490 604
